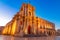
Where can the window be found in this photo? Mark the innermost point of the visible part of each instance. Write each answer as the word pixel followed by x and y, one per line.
pixel 30 13
pixel 41 27
pixel 17 18
pixel 23 19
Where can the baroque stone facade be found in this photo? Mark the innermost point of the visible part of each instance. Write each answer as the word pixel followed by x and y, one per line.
pixel 25 22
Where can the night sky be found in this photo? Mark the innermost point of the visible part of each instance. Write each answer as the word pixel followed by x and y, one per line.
pixel 46 9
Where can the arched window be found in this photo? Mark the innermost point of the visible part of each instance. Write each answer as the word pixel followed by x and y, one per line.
pixel 29 13
pixel 40 27
pixel 43 27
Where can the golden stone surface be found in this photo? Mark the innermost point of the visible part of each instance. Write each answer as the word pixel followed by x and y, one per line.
pixel 25 22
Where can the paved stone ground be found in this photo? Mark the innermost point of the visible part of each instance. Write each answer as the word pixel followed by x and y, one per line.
pixel 2 37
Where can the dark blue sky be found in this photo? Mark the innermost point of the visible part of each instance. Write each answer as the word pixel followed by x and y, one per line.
pixel 46 9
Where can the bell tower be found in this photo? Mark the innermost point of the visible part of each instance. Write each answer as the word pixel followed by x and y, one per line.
pixel 27 9
pixel 30 10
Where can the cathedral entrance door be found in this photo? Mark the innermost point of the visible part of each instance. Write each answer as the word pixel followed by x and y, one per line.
pixel 29 29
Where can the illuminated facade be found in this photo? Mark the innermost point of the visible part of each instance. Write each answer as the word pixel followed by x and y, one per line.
pixel 25 22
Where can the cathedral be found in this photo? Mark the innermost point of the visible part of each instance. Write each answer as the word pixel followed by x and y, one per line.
pixel 25 22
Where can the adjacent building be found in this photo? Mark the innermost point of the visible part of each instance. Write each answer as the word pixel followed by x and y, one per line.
pixel 25 22
pixel 1 29
pixel 58 32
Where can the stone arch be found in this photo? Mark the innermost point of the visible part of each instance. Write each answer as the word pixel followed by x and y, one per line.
pixel 49 33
